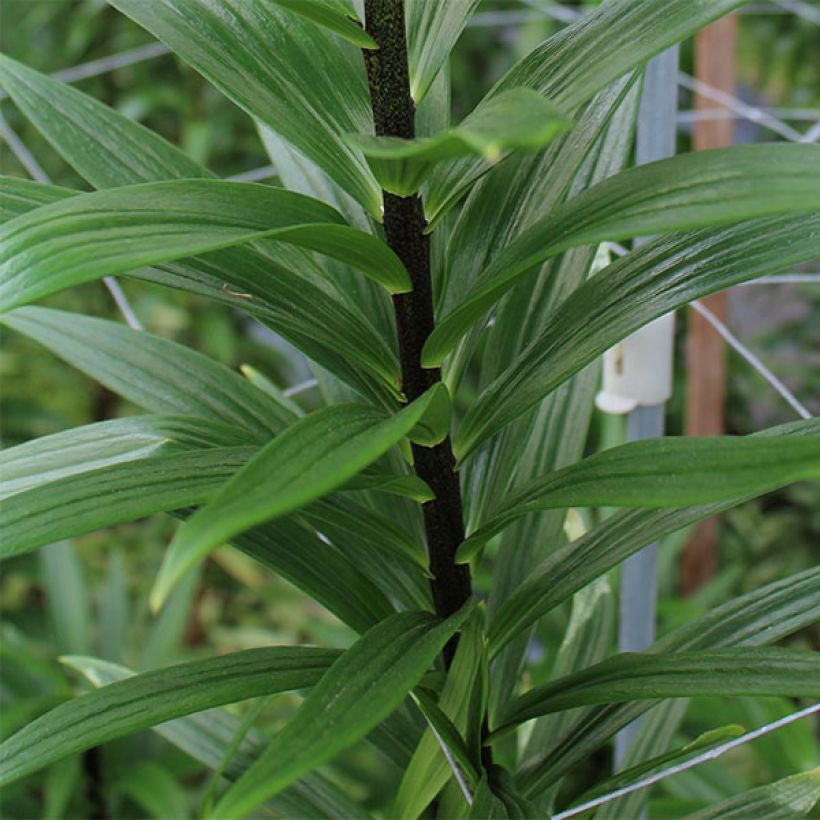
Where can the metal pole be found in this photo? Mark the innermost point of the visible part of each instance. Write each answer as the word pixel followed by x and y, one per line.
pixel 655 140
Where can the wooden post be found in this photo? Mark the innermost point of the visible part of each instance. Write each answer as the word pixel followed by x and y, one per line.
pixel 705 350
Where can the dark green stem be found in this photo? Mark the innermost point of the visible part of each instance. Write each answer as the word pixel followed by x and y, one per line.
pixel 404 223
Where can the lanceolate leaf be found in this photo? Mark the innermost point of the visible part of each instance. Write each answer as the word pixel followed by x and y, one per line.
pixel 661 473
pixel 311 458
pixel 517 119
pixel 19 196
pixel 785 799
pixel 658 277
pixel 118 230
pixel 758 618
pixel 154 697
pixel 154 373
pixel 280 284
pixel 277 66
pixel 688 191
pixel 573 566
pixel 638 676
pixel 362 688
pixel 335 15
pixel 122 492
pixel 581 59
pixel 433 28
pixel 206 736
pixel 95 446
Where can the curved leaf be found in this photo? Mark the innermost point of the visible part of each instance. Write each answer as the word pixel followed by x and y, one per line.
pixel 361 689
pixel 94 446
pixel 335 15
pixel 84 502
pixel 652 280
pixel 154 697
pixel 704 188
pixel 275 65
pixel 19 196
pixel 154 373
pixel 516 119
pixel 433 28
pixel 314 456
pixel 671 471
pixel 582 59
pixel 574 565
pixel 638 676
pixel 115 231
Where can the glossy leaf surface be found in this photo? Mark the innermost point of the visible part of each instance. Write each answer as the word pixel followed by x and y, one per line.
pixel 688 191
pixel 671 471
pixel 311 458
pixel 154 697
pixel 361 688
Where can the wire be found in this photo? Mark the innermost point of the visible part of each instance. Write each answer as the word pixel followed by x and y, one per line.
pixel 695 761
pixel 750 357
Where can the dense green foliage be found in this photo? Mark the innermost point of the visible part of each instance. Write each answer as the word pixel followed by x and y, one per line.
pixel 378 258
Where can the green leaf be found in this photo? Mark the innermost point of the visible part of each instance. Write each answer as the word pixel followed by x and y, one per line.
pixel 672 471
pixel 19 196
pixel 434 425
pixel 785 799
pixel 704 188
pixel 486 806
pixel 622 779
pixel 154 697
pixel 286 285
pixel 433 28
pixel 154 789
pixel 112 495
pixel 764 616
pixel 275 65
pixel 517 119
pixel 581 60
pixel 638 676
pixel 362 688
pixel 572 567
pixel 104 147
pixel 314 456
pixel 647 283
pixel 109 232
pixel 68 602
pixel 154 373
pixel 105 443
pixel 428 771
pixel 335 15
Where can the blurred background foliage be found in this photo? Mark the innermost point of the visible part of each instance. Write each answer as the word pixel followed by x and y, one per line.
pixel 90 596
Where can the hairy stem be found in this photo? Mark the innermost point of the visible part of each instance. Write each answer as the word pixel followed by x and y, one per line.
pixel 404 223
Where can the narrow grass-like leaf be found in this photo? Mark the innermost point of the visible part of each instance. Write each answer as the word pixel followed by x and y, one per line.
pixel 115 231
pixel 762 617
pixel 672 471
pixel 433 28
pixel 581 60
pixel 275 65
pixel 622 779
pixel 658 277
pixel 105 443
pixel 517 119
pixel 362 688
pixel 155 373
pixel 154 697
pixel 428 771
pixel 112 495
pixel 638 676
pixel 335 15
pixel 311 458
pixel 785 799
pixel 573 566
pixel 688 191
pixel 275 282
